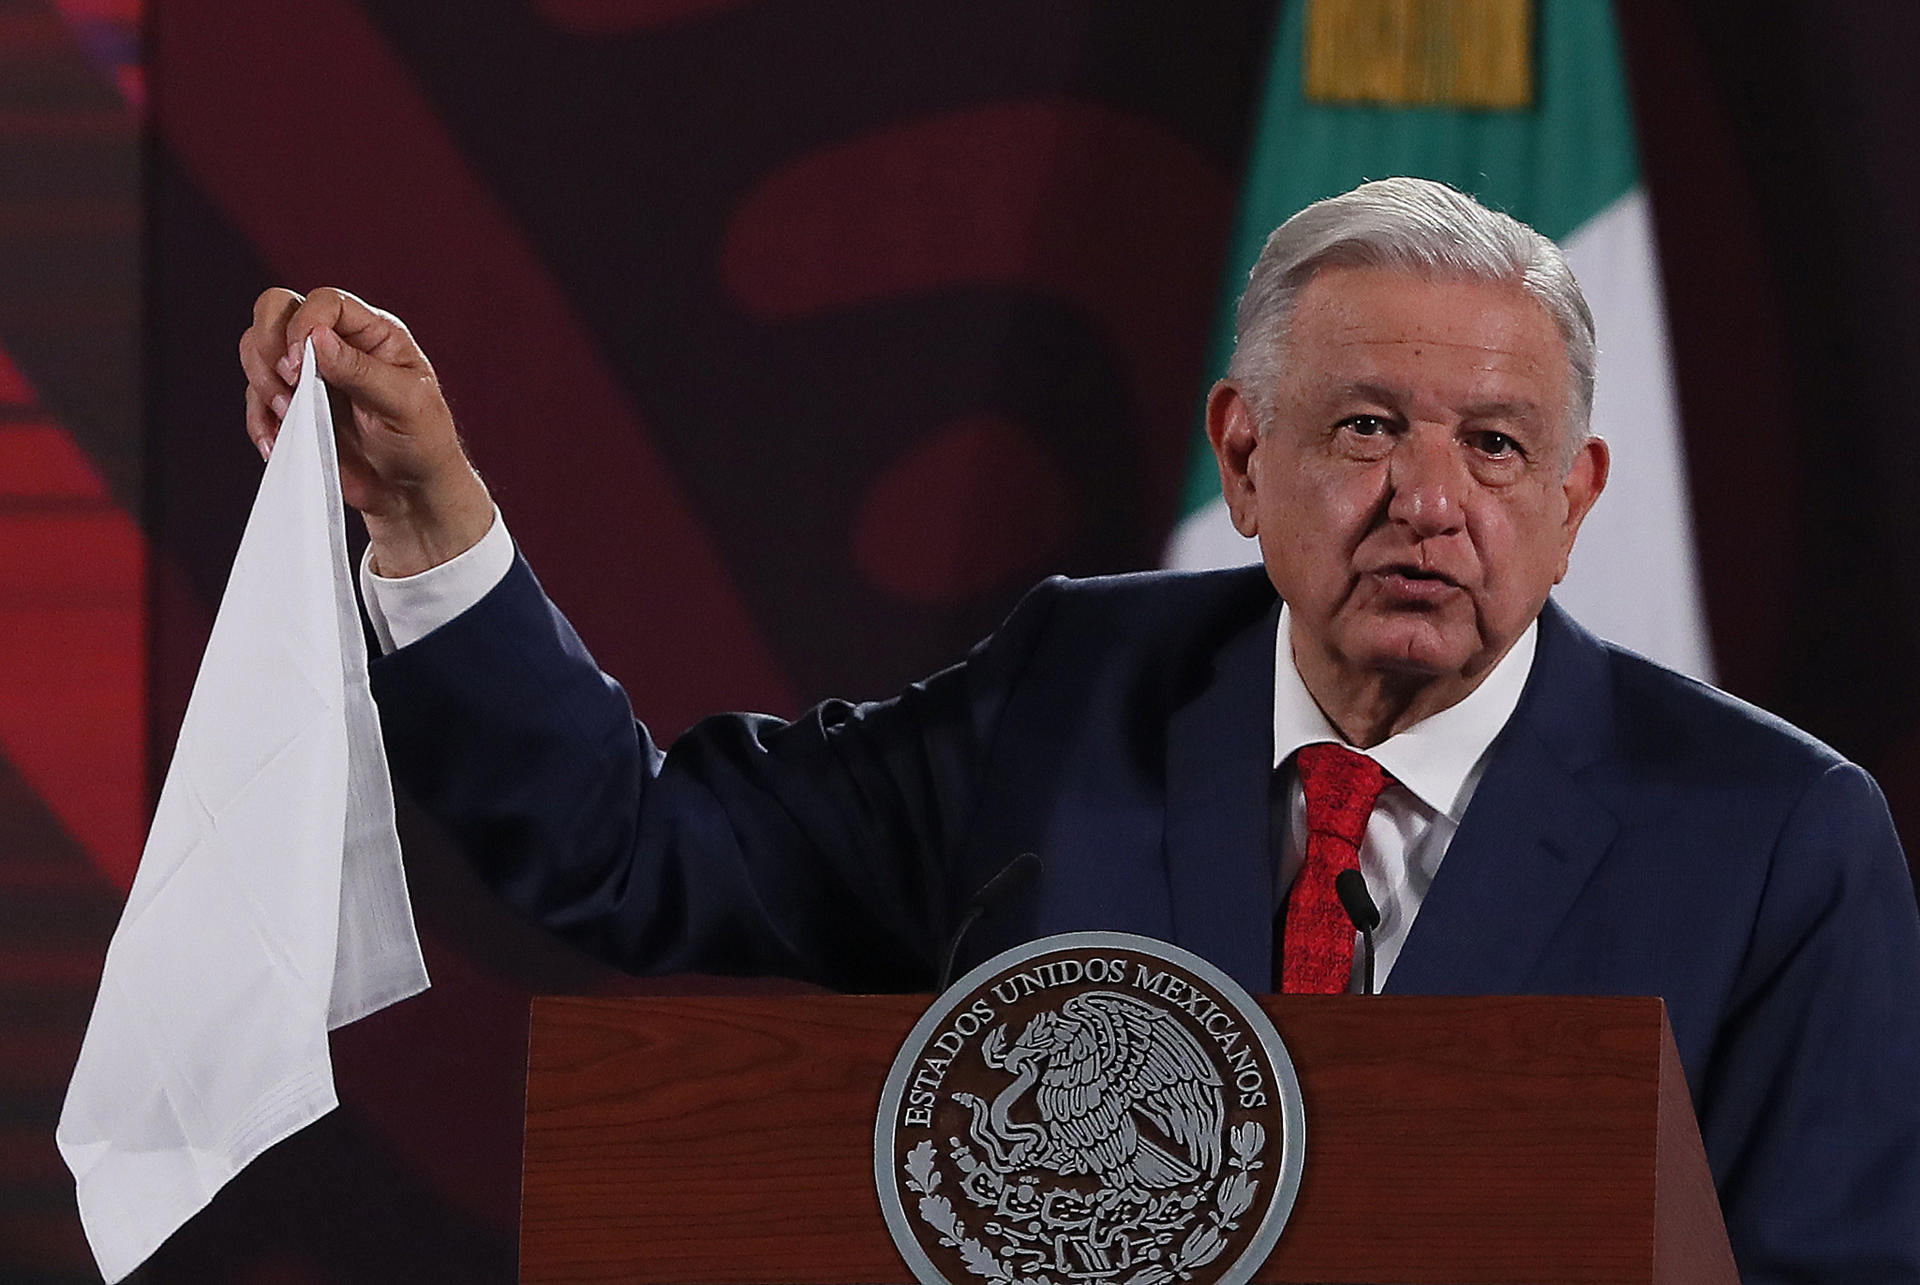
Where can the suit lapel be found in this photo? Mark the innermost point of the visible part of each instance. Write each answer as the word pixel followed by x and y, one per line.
pixel 1531 837
pixel 1219 756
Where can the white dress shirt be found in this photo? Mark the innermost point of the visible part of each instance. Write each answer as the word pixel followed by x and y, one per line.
pixel 1436 764
pixel 405 609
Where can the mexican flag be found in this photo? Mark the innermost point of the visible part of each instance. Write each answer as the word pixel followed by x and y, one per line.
pixel 1524 105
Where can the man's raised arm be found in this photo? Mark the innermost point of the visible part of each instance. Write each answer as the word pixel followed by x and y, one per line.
pixel 401 462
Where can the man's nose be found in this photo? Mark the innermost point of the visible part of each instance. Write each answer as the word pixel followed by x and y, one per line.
pixel 1428 481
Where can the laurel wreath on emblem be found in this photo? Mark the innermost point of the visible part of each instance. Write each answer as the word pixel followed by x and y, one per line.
pixel 1097 1068
pixel 1233 1195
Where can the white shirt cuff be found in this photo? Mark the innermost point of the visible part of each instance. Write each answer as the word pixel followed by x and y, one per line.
pixel 406 609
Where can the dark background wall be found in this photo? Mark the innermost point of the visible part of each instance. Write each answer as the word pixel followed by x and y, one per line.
pixel 795 338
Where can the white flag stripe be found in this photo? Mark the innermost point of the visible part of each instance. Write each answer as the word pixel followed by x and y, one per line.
pixel 207 1042
pixel 1634 577
pixel 1205 538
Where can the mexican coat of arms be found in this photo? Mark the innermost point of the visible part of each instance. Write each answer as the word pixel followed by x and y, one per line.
pixel 1092 1108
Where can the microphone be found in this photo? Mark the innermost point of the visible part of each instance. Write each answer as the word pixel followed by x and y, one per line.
pixel 1351 886
pixel 1024 866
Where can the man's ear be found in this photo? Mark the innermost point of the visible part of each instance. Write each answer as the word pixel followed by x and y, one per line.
pixel 1234 432
pixel 1582 486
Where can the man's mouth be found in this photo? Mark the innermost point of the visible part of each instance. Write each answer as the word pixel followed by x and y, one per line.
pixel 1415 584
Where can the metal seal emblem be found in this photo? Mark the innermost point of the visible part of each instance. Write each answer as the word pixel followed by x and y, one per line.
pixel 1095 1108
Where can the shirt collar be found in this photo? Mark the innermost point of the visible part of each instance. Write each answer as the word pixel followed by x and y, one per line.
pixel 1440 758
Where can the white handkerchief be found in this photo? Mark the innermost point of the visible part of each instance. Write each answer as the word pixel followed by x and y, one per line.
pixel 269 906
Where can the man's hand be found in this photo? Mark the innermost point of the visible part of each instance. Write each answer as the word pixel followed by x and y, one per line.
pixel 401 462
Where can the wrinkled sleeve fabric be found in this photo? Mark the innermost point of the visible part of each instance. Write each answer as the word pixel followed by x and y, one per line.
pixel 820 848
pixel 1811 1107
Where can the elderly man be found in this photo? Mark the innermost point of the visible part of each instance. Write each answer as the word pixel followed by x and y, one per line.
pixel 1404 429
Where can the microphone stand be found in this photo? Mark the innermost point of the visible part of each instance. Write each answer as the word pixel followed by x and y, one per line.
pixel 1351 886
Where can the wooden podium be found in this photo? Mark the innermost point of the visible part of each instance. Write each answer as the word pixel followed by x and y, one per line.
pixel 729 1140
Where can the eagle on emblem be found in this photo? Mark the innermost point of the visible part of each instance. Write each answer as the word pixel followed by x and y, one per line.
pixel 1097 1068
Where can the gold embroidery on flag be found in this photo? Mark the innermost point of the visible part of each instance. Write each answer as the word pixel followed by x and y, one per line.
pixel 1451 53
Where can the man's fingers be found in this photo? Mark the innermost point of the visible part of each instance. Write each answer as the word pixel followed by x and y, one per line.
pixel 263 343
pixel 379 332
pixel 364 327
pixel 263 422
pixel 273 308
pixel 397 393
pixel 261 346
pixel 368 359
pixel 257 355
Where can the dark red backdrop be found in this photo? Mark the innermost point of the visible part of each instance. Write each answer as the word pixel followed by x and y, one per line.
pixel 796 338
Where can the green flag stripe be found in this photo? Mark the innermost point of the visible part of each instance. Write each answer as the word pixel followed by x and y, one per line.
pixel 1553 165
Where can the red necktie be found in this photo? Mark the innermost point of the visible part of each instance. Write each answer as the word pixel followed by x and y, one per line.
pixel 1317 941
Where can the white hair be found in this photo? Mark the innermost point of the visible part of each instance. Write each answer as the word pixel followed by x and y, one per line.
pixel 1417 226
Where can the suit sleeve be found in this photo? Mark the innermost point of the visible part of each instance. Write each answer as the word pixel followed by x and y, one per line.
pixel 1813 1094
pixel 820 848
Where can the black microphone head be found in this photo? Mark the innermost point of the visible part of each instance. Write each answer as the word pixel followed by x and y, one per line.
pixel 1024 866
pixel 1351 885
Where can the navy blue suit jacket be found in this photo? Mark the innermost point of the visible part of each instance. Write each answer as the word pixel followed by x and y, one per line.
pixel 1635 833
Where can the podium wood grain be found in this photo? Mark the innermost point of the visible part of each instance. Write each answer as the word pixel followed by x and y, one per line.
pixel 728 1141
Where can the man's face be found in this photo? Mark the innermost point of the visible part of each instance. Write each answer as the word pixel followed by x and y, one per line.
pixel 1411 492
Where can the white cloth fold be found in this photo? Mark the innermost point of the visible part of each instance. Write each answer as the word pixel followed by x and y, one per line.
pixel 270 905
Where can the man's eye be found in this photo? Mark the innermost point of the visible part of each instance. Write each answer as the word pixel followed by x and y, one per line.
pixel 1364 425
pixel 1496 445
